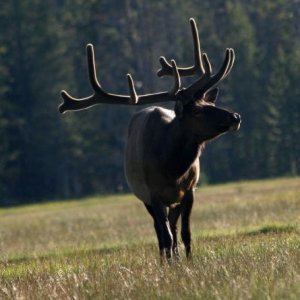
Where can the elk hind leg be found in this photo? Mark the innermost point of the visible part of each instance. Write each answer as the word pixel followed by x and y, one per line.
pixel 174 213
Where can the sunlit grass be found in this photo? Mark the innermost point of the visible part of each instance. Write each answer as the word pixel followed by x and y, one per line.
pixel 246 245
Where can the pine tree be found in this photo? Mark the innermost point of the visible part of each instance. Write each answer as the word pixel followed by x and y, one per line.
pixel 34 66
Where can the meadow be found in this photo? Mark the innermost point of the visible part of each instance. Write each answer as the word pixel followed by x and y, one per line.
pixel 246 245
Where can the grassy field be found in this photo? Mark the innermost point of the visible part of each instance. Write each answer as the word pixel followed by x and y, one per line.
pixel 246 245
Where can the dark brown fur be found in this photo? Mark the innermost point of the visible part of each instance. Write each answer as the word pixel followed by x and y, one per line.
pixel 166 149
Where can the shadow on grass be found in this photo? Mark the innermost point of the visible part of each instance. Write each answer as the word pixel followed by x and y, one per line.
pixel 273 229
pixel 263 230
pixel 63 254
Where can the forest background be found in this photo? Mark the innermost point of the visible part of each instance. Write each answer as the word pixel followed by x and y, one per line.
pixel 45 155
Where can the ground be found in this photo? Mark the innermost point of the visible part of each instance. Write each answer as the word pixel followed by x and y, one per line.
pixel 246 245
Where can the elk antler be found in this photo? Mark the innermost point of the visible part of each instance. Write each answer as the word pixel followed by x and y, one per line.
pixel 100 96
pixel 197 68
pixel 201 67
pixel 207 82
pixel 196 90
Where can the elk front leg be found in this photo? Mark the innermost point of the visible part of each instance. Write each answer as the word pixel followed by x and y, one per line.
pixel 174 213
pixel 160 213
pixel 157 229
pixel 186 208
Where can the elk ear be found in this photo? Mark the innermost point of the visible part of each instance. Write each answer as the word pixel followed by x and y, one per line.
pixel 211 96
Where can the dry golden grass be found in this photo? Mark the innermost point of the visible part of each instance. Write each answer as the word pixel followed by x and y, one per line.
pixel 246 246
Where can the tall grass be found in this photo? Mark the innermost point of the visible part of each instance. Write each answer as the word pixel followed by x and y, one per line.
pixel 246 245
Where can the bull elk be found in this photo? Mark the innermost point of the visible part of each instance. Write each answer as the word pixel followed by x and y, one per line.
pixel 163 146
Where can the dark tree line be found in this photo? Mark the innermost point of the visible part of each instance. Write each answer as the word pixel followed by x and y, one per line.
pixel 44 155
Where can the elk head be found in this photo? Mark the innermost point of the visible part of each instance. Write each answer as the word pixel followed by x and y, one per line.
pixel 194 105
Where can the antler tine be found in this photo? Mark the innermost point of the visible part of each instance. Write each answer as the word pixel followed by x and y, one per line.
pixel 166 68
pixel 92 69
pixel 197 68
pixel 133 95
pixel 206 65
pixel 230 65
pixel 177 81
pixel 71 103
pixel 225 69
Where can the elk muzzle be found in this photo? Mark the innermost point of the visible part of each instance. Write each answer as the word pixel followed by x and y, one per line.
pixel 235 121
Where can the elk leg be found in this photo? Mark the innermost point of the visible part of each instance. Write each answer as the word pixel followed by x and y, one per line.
pixel 160 213
pixel 174 213
pixel 186 208
pixel 157 229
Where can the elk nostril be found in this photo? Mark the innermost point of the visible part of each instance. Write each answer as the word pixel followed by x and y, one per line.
pixel 236 117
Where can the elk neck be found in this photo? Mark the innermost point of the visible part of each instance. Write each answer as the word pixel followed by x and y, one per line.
pixel 181 148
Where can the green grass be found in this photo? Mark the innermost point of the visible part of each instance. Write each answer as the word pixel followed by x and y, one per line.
pixel 246 245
